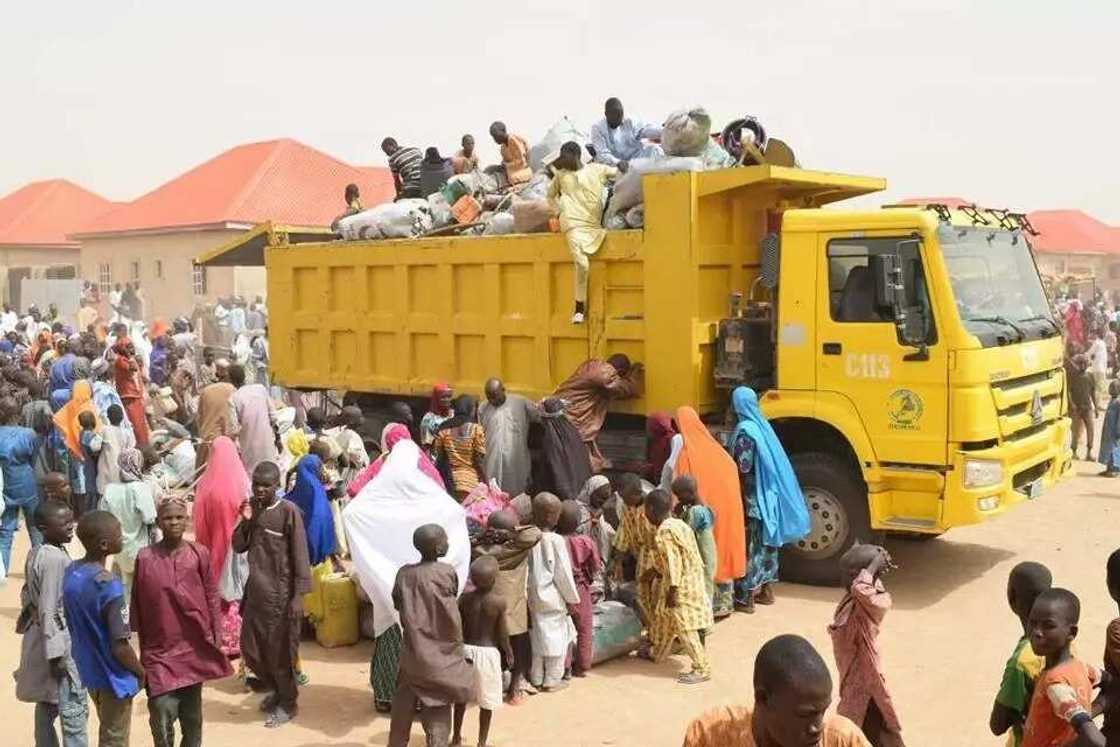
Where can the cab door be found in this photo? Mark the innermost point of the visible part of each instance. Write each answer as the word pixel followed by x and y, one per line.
pixel 899 390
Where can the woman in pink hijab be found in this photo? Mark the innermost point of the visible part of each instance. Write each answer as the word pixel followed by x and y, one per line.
pixel 221 491
pixel 393 434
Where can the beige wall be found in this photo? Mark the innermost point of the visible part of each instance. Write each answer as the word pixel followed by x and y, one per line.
pixel 172 294
pixel 34 257
pixel 1105 268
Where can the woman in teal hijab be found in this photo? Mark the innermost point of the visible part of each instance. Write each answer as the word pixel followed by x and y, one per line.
pixel 775 507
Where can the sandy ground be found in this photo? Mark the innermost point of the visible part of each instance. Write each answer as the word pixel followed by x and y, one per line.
pixel 944 645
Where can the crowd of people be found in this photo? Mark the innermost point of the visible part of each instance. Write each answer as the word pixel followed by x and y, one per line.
pixel 483 536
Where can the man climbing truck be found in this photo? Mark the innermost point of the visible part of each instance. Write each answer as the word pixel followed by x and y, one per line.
pixel 907 357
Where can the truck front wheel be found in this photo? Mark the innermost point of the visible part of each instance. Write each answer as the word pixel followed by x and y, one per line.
pixel 838 515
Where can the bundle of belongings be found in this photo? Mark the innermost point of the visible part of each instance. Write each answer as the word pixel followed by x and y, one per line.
pixel 482 202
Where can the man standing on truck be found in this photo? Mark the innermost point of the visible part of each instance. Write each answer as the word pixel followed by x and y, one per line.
pixel 589 391
pixel 404 163
pixel 578 193
pixel 617 139
pixel 515 154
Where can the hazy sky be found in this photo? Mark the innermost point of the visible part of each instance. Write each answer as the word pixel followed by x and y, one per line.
pixel 1009 103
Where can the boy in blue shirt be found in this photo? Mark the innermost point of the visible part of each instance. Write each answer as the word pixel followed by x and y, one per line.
pixel 95 605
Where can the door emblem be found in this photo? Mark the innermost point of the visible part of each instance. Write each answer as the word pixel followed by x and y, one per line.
pixel 904 410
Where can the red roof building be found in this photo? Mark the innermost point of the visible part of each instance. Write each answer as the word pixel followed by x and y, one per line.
pixel 154 239
pixel 34 223
pixel 41 214
pixel 1072 232
pixel 282 181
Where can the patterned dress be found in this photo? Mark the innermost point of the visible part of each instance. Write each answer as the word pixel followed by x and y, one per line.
pixel 635 536
pixel 762 561
pixel 677 560
pixel 462 448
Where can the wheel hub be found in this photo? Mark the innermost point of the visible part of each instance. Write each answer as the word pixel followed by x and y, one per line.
pixel 828 525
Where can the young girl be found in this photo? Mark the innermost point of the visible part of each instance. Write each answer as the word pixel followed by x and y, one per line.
pixel 855 631
pixel 700 519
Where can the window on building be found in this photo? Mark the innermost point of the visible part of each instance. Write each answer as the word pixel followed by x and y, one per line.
pixel 134 270
pixel 61 272
pixel 199 280
pixel 159 269
pixel 104 278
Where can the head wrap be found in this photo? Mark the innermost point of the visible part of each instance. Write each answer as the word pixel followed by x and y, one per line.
pixel 436 405
pixel 131 463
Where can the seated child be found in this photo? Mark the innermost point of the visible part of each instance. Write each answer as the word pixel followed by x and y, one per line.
pixel 855 628
pixel 485 641
pixel 1024 584
pixel 1061 704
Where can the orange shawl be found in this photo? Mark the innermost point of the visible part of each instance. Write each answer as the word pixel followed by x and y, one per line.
pixel 717 477
pixel 81 400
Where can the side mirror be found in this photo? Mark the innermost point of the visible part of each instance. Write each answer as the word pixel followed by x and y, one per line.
pixel 888 283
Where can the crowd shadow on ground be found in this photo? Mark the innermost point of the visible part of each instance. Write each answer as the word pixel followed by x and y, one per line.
pixel 928 570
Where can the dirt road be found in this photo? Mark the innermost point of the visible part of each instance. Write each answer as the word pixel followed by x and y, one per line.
pixel 944 645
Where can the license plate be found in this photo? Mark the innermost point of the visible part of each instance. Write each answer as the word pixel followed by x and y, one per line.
pixel 1035 489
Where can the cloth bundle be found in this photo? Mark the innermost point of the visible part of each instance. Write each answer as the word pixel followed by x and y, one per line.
pixel 560 133
pixel 686 132
pixel 392 220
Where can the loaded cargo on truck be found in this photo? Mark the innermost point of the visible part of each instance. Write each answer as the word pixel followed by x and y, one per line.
pixel 906 357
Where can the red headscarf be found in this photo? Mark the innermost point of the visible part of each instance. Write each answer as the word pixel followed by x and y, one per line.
pixel 436 404
pixel 121 345
pixel 660 432
pixel 221 490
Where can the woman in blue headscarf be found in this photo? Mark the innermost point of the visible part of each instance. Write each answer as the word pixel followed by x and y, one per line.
pixel 775 506
pixel 309 494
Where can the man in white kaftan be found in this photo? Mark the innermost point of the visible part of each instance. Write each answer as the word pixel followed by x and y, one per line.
pixel 506 419
pixel 551 589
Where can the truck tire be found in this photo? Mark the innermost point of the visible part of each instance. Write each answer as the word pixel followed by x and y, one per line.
pixel 838 514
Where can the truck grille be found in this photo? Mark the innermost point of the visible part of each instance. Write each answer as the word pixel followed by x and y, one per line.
pixel 1022 480
pixel 1027 405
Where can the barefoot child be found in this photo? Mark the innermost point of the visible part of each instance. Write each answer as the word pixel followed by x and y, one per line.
pixel 271 532
pixel 855 632
pixel 485 642
pixel 586 568
pixel 433 671
pixel 792 693
pixel 47 675
pixel 175 612
pixel 95 615
pixel 1060 706
pixel 510 543
pixel 1024 584
pixel 682 609
pixel 700 519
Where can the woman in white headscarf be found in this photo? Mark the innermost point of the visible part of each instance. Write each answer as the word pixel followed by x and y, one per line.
pixel 379 523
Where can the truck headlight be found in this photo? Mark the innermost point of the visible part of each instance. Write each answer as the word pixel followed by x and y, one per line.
pixel 980 473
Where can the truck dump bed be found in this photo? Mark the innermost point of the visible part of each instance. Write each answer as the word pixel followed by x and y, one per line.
pixel 395 316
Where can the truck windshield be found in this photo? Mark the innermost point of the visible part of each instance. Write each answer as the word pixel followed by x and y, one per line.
pixel 996 284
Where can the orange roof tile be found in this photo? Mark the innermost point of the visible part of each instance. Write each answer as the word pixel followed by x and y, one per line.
pixel 1072 232
pixel 43 213
pixel 283 181
pixel 950 202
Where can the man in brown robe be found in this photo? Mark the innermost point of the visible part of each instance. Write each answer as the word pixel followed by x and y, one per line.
pixel 588 392
pixel 434 675
pixel 216 415
pixel 271 531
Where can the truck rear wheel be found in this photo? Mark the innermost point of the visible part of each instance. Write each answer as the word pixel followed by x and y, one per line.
pixel 838 514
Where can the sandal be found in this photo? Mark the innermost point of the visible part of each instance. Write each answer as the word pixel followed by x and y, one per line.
pixel 693 678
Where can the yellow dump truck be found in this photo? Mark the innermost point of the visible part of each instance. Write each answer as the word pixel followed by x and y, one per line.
pixel 908 357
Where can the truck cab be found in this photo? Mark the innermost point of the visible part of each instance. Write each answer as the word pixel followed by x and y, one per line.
pixel 918 382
